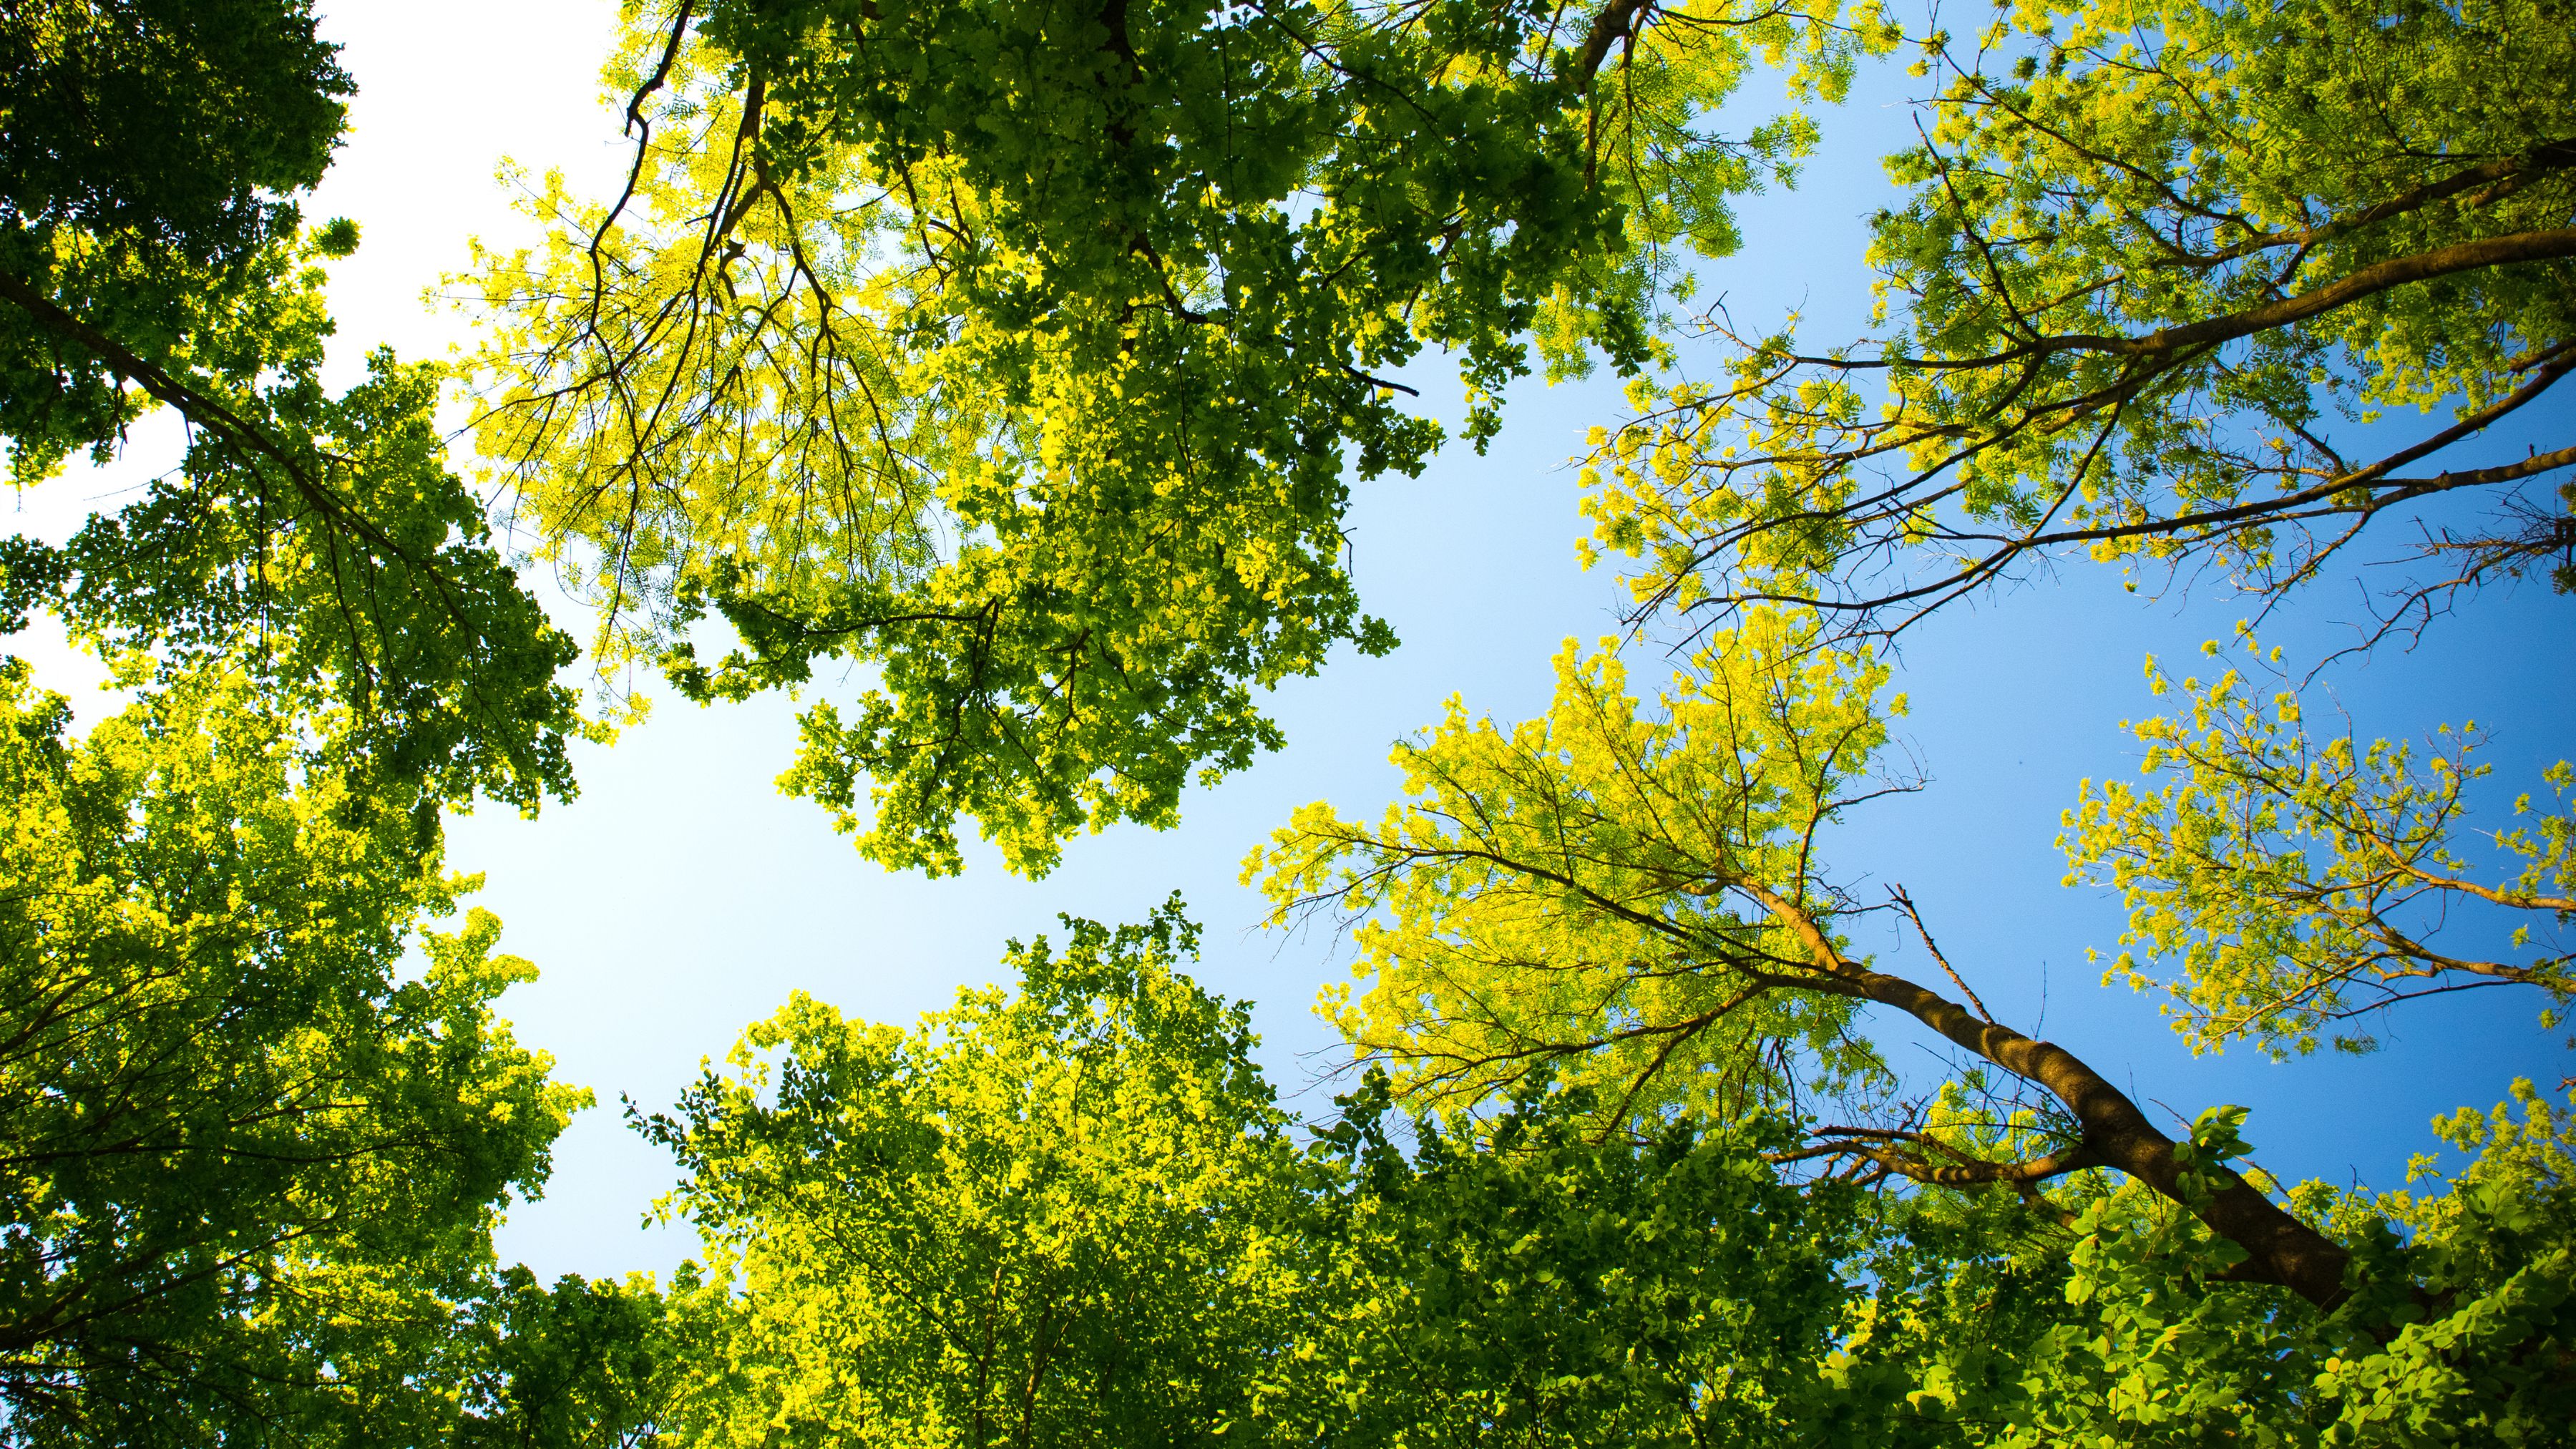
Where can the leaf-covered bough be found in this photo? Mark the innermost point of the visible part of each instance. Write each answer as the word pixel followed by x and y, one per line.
pixel 152 256
pixel 250 1156
pixel 2158 267
pixel 1019 352
pixel 2297 884
pixel 1636 901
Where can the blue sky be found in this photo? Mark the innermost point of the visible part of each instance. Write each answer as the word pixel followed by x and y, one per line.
pixel 681 897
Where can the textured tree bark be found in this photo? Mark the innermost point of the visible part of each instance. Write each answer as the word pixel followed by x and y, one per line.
pixel 2470 256
pixel 2280 1249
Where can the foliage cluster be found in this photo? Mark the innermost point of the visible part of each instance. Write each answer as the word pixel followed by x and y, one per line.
pixel 1070 1215
pixel 305 536
pixel 251 1160
pixel 1018 350
pixel 2157 265
pixel 1022 353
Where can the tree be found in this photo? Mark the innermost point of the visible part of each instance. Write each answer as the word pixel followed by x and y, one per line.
pixel 1643 900
pixel 1639 900
pixel 2297 884
pixel 1037 1219
pixel 2157 266
pixel 1018 350
pixel 1070 1216
pixel 1523 1278
pixel 251 1160
pixel 2147 253
pixel 961 1248
pixel 600 1365
pixel 151 255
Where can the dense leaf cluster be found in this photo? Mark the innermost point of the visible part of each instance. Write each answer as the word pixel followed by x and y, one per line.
pixel 249 1157
pixel 151 256
pixel 1021 351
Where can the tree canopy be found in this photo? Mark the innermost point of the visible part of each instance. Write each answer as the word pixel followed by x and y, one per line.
pixel 1639 900
pixel 250 1158
pixel 1068 1214
pixel 1042 1217
pixel 260 1117
pixel 2155 269
pixel 1019 351
pixel 151 255
pixel 1023 355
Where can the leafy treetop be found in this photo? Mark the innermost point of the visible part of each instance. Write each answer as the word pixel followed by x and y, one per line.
pixel 249 1156
pixel 2157 264
pixel 151 256
pixel 1017 349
